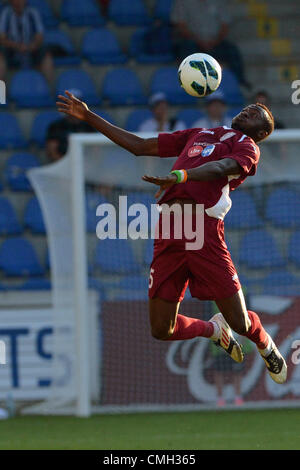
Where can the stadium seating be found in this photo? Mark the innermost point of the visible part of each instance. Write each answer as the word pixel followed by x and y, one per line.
pixel 148 252
pixel 18 258
pixel 40 126
pixel 282 208
pixel 294 248
pixel 134 283
pixel 230 88
pixel 165 80
pixel 233 111
pixel 108 117
pixel 128 12
pixel 115 256
pixel 36 284
pixel 49 20
pixel 162 10
pixel 33 217
pixel 12 137
pixel 189 116
pixel 152 45
pixel 243 213
pixel 79 13
pixel 29 89
pixel 136 118
pixel 281 283
pixel 8 220
pixel 100 46
pixel 129 93
pixel 55 39
pixel 78 80
pixel 258 249
pixel 16 168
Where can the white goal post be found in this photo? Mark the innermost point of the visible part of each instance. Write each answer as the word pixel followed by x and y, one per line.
pixel 61 190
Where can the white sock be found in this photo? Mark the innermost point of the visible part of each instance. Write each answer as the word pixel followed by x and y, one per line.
pixel 265 352
pixel 216 334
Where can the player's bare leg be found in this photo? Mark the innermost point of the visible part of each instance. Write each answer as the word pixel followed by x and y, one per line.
pixel 168 325
pixel 247 323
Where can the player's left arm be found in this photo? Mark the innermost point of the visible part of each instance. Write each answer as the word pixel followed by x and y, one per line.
pixel 207 172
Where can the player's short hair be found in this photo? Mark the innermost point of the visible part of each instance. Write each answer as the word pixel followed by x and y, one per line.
pixel 269 123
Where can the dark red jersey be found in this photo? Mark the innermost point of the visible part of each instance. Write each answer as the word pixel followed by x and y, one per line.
pixel 195 147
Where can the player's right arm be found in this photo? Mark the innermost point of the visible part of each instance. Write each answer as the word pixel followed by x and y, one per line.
pixel 138 146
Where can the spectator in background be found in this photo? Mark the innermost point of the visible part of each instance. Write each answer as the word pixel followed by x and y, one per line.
pixel 203 26
pixel 264 98
pixel 104 6
pixel 160 122
pixel 215 112
pixel 58 132
pixel 21 39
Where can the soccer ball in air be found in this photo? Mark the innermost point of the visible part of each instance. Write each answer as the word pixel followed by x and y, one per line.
pixel 199 74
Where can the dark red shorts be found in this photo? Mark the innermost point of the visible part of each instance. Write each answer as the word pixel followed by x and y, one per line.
pixel 209 272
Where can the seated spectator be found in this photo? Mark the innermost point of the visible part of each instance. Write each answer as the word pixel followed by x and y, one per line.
pixel 216 113
pixel 160 122
pixel 58 132
pixel 264 98
pixel 21 39
pixel 203 26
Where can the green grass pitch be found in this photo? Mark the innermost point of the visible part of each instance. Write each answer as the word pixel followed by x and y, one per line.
pixel 268 429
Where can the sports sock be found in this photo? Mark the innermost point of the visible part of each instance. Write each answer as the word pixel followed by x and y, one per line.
pixel 187 328
pixel 257 333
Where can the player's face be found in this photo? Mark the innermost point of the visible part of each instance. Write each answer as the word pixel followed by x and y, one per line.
pixel 251 121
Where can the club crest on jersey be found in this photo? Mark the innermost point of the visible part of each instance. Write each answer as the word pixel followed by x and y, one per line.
pixel 195 150
pixel 208 150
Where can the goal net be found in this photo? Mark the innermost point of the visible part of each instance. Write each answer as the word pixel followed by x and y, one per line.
pixel 100 218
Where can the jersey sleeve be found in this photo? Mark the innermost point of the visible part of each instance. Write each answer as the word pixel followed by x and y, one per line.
pixel 172 144
pixel 247 155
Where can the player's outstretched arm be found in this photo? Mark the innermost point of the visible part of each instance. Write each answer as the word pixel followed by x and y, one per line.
pixel 72 106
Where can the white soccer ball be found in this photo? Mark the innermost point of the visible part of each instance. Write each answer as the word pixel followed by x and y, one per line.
pixel 199 74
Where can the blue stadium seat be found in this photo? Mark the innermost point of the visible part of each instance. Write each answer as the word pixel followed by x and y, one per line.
pixel 136 118
pixel 79 80
pixel 129 93
pixel 243 213
pixel 128 12
pixel 233 111
pixel 294 248
pixel 8 220
pixel 152 45
pixel 100 46
pixel 165 80
pixel 33 217
pixel 79 13
pixel 40 126
pixel 283 208
pixel 16 168
pixel 281 283
pixel 189 116
pixel 49 20
pixel 115 256
pixel 12 137
pixel 104 114
pixel 162 10
pixel 18 258
pixel 29 89
pixel 55 38
pixel 92 201
pixel 148 252
pixel 231 89
pixel 258 249
pixel 134 283
pixel 38 283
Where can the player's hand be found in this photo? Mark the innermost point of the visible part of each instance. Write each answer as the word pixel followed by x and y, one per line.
pixel 164 182
pixel 72 106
